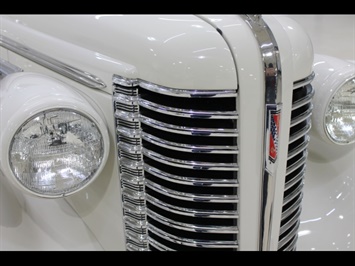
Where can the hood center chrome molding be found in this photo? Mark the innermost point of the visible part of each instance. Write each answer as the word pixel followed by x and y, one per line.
pixel 68 71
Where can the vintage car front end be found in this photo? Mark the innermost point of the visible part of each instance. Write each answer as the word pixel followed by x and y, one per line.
pixel 163 132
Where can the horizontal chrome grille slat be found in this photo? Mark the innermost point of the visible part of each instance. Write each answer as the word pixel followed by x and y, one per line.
pixel 190 164
pixel 300 133
pixel 158 245
pixel 291 222
pixel 187 113
pixel 303 82
pixel 289 236
pixel 192 242
pixel 296 192
pixel 192 227
pixel 189 196
pixel 296 178
pixel 292 153
pixel 301 117
pixel 192 181
pixel 192 212
pixel 297 164
pixel 187 93
pixel 305 100
pixel 292 245
pixel 223 132
pixel 292 208
pixel 188 147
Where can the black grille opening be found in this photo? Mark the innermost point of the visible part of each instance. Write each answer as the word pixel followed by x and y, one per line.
pixel 189 122
pixel 186 139
pixel 302 109
pixel 189 156
pixel 197 173
pixel 192 204
pixel 192 235
pixel 295 159
pixel 198 103
pixel 301 92
pixel 201 221
pixel 191 189
pixel 180 247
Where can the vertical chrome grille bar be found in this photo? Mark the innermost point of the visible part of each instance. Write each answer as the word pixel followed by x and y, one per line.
pixel 178 160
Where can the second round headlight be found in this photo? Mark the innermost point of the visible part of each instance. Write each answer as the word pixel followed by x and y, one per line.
pixel 340 114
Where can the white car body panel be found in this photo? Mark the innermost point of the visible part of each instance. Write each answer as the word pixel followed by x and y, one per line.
pixel 94 214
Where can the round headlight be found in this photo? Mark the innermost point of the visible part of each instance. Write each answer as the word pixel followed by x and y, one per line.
pixel 340 114
pixel 56 151
pixel 333 118
pixel 54 140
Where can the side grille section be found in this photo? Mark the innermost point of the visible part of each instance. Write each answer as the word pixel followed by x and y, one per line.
pixel 296 163
pixel 179 166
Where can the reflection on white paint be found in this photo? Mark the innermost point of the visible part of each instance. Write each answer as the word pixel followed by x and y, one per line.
pixel 176 36
pixel 311 220
pixel 304 233
pixel 330 212
pixel 202 50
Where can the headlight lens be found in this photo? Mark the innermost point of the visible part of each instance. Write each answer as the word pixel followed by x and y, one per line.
pixel 340 114
pixel 56 152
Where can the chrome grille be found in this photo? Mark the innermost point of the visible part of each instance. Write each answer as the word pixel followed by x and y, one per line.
pixel 296 163
pixel 179 166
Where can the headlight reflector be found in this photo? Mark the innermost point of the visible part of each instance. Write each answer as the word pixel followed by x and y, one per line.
pixel 340 114
pixel 55 152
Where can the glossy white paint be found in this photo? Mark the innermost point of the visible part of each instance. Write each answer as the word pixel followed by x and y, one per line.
pixel 185 52
pixel 331 74
pixel 302 48
pixel 99 205
pixel 328 213
pixel 25 94
pixel 29 223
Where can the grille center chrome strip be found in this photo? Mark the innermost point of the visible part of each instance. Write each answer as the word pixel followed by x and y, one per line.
pixel 272 69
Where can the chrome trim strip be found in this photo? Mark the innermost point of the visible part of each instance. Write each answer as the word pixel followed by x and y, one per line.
pixel 7 68
pixel 192 227
pixel 55 65
pixel 190 164
pixel 212 149
pixel 191 181
pixel 158 245
pixel 304 82
pixel 291 209
pixel 291 234
pixel 292 245
pixel 298 119
pixel 192 242
pixel 187 93
pixel 191 197
pixel 296 178
pixel 294 194
pixel 186 112
pixel 272 86
pixel 297 164
pixel 192 212
pixel 223 132
pixel 299 148
pixel 302 132
pixel 304 100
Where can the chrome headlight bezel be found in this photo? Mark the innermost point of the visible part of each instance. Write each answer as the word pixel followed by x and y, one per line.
pixel 25 95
